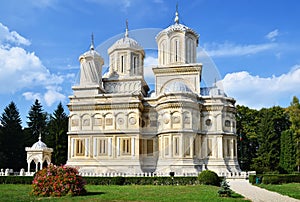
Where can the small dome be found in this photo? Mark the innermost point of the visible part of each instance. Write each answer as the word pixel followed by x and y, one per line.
pixel 125 43
pixel 177 86
pixel 39 145
pixel 177 27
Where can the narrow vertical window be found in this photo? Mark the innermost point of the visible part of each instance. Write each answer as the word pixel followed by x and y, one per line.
pixel 176 50
pixel 126 147
pixel 166 146
pixel 234 148
pixel 209 147
pixel 122 64
pixel 228 148
pixel 80 147
pixel 176 140
pixel 134 65
pixel 102 146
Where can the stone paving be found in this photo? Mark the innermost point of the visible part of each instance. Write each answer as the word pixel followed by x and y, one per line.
pixel 255 193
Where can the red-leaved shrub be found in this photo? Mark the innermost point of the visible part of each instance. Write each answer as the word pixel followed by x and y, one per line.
pixel 58 181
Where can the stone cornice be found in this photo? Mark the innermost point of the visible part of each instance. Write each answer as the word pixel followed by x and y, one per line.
pixel 178 69
pixel 105 106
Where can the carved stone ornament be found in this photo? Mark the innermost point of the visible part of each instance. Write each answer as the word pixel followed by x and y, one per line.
pixel 120 121
pixel 132 120
pixel 166 120
pixel 176 119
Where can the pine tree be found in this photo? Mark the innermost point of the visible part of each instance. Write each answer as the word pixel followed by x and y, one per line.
pixel 294 113
pixel 287 151
pixel 37 123
pixel 246 126
pixel 13 154
pixel 57 137
pixel 273 122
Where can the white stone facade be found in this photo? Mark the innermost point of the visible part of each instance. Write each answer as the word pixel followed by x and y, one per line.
pixel 116 126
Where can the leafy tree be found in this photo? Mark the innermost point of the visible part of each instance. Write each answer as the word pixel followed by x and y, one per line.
pixel 57 137
pixel 246 124
pixel 287 151
pixel 273 122
pixel 37 123
pixel 294 113
pixel 13 154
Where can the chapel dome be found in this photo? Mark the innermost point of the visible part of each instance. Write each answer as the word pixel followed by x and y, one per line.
pixel 39 145
pixel 177 87
pixel 177 27
pixel 125 43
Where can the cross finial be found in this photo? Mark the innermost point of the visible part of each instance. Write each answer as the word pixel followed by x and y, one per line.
pixel 92 42
pixel 126 31
pixel 176 20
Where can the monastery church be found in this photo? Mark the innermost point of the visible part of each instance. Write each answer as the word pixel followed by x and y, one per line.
pixel 117 126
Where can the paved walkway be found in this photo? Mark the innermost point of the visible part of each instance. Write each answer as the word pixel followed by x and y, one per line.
pixel 255 193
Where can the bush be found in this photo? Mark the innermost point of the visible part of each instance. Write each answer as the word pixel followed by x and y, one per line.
pixel 58 181
pixel 209 177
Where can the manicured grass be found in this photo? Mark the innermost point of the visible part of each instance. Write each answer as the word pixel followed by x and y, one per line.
pixel 14 193
pixel 290 189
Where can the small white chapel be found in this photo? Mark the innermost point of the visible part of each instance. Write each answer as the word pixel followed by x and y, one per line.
pixel 117 125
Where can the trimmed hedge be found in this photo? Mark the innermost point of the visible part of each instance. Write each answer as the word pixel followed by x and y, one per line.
pixel 276 178
pixel 16 179
pixel 114 180
pixel 141 180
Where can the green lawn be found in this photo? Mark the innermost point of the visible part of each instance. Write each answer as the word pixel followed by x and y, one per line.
pixel 290 189
pixel 14 193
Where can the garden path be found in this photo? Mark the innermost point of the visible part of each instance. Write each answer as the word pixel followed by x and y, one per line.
pixel 255 193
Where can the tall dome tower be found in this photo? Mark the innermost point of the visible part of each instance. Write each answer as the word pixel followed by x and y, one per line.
pixel 126 67
pixel 91 67
pixel 126 57
pixel 177 44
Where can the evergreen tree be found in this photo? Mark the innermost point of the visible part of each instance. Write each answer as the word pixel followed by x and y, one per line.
pixel 287 151
pixel 273 122
pixel 57 137
pixel 13 154
pixel 246 125
pixel 37 123
pixel 294 113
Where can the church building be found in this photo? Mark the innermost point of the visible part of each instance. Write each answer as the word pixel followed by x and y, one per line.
pixel 117 126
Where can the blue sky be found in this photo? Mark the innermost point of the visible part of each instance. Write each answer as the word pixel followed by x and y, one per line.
pixel 251 46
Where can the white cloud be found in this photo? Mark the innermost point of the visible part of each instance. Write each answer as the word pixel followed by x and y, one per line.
pixel 272 35
pixel 32 96
pixel 149 63
pixel 53 95
pixel 229 49
pixel 20 70
pixel 257 92
pixel 7 36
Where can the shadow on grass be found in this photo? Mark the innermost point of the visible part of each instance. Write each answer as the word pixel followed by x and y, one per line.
pixel 94 193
